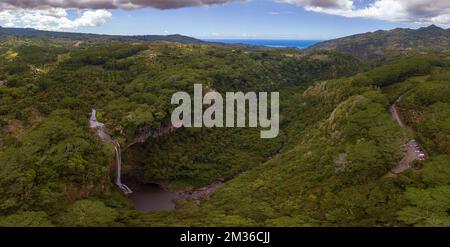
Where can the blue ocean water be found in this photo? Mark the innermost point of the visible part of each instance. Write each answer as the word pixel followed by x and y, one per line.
pixel 300 44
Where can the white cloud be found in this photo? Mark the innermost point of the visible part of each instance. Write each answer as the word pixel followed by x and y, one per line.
pixel 53 18
pixel 7 18
pixel 52 14
pixel 326 4
pixel 415 11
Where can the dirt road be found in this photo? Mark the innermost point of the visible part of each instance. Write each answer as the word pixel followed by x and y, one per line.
pixel 412 149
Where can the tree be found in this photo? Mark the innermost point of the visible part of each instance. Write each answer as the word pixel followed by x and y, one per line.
pixel 429 207
pixel 437 171
pixel 26 219
pixel 89 213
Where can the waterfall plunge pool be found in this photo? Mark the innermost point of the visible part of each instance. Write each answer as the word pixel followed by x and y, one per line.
pixel 151 197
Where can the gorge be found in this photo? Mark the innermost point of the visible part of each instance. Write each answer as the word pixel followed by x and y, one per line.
pixel 147 197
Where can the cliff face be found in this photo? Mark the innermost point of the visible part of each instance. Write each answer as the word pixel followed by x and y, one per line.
pixel 147 132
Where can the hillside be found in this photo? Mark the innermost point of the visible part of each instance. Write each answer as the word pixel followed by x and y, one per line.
pixel 53 164
pixel 383 45
pixel 330 165
pixel 92 38
pixel 335 169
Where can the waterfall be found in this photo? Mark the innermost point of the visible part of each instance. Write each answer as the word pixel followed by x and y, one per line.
pixel 101 131
pixel 119 183
pixel 119 164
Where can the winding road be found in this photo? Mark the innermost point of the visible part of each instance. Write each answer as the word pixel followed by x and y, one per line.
pixel 412 149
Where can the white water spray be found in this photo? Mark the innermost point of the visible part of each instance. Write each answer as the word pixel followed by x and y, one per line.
pixel 101 131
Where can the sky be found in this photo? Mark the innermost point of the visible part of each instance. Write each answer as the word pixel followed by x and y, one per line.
pixel 222 19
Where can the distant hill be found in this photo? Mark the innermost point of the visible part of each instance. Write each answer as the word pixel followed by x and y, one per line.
pixel 95 38
pixel 382 45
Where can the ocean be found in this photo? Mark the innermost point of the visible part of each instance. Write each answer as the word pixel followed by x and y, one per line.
pixel 300 44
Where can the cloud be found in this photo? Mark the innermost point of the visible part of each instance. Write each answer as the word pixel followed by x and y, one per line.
pixel 327 4
pixel 108 4
pixel 413 11
pixel 53 18
pixel 7 18
pixel 279 12
pixel 52 14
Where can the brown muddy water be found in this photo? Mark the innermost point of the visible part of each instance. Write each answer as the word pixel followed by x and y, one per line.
pixel 151 197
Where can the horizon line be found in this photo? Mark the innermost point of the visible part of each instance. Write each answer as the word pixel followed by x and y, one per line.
pixel 205 38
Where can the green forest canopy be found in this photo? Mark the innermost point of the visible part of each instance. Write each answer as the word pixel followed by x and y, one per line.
pixel 338 139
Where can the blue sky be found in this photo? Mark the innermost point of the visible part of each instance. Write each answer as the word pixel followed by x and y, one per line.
pixel 262 19
pixel 254 19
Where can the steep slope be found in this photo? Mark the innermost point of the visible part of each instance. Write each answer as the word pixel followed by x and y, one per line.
pixel 381 45
pixel 341 139
pixel 54 167
pixel 342 142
